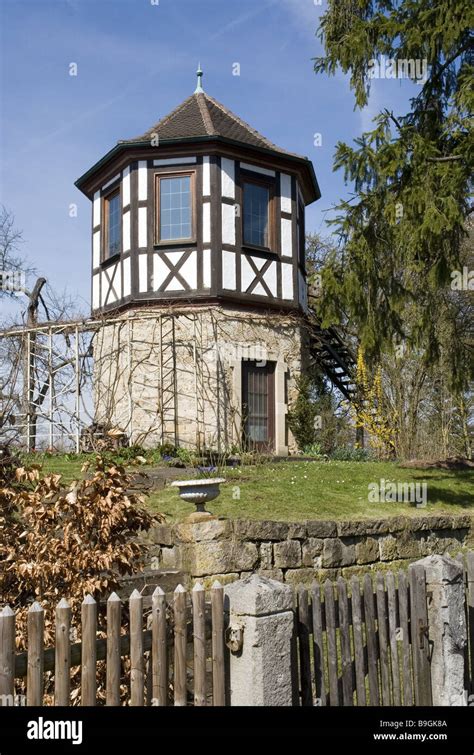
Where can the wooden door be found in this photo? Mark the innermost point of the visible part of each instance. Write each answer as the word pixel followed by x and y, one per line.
pixel 258 406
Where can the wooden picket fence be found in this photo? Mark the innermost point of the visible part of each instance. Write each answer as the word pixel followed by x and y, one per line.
pixel 178 660
pixel 365 642
pixel 357 642
pixel 368 640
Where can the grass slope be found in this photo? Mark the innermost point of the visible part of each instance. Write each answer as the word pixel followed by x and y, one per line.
pixel 309 490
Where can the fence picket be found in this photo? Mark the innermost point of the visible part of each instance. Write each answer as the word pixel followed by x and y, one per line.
pixel 180 696
pixel 330 610
pixel 392 630
pixel 304 654
pixel 318 647
pixel 357 626
pixel 137 660
pixel 7 655
pixel 113 669
pixel 218 669
pixel 372 651
pixel 62 661
pixel 383 637
pixel 199 643
pixel 34 682
pixel 89 651
pixel 159 652
pixel 345 639
pixel 419 635
pixel 407 660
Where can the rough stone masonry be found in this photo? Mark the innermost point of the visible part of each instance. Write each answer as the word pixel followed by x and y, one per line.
pixel 299 552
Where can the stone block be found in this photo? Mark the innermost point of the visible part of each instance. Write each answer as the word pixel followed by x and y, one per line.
pixel 170 558
pixel 250 529
pixel 447 629
pixel 222 556
pixel 408 545
pixel 398 523
pixel 258 596
pixel 336 553
pixel 296 530
pixel 287 554
pixel 430 522
pixel 161 534
pixel 332 574
pixel 321 528
pixel 224 579
pixel 261 674
pixel 276 574
pixel 211 529
pixel 312 550
pixel 367 550
pixel 362 527
pixel 266 555
pixel 388 548
pixel 300 576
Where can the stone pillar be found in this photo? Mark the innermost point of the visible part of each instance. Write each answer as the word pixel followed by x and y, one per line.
pixel 260 613
pixel 447 629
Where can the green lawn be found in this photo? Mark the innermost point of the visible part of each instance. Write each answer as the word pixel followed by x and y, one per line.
pixel 319 490
pixel 310 490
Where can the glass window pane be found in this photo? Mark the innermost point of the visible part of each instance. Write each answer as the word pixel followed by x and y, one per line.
pixel 175 208
pixel 256 203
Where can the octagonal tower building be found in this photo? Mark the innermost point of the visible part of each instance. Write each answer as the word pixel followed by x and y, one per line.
pixel 199 282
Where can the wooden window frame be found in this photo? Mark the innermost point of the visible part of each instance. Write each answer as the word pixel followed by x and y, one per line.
pixel 270 184
pixel 105 258
pixel 175 242
pixel 301 235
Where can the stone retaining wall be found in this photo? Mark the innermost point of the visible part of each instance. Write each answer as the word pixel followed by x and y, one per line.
pixel 299 552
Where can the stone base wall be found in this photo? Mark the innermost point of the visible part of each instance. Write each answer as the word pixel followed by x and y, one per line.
pixel 200 351
pixel 299 552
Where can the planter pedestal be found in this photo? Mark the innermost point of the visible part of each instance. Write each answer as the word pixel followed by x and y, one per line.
pixel 199 516
pixel 199 492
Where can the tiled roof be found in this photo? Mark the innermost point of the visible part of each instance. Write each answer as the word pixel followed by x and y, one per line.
pixel 201 115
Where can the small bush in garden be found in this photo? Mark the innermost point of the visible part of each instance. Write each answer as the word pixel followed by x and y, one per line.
pixel 314 449
pixel 347 453
pixel 185 455
pixel 302 415
pixel 68 541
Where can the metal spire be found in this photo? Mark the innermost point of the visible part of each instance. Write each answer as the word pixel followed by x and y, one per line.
pixel 199 80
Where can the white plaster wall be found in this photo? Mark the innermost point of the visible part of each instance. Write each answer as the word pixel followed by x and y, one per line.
pixel 228 224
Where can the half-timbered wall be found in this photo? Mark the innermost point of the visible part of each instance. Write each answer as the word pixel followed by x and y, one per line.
pixel 216 264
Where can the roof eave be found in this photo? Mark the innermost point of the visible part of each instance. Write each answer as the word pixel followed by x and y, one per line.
pixel 125 145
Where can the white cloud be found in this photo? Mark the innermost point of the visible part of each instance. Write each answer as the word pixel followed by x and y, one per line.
pixel 305 14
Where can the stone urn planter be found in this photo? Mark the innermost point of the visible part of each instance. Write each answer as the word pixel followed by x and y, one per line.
pixel 199 492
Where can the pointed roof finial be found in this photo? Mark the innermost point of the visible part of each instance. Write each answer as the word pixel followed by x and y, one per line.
pixel 199 80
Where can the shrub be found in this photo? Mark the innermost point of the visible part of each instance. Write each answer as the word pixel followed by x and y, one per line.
pixel 313 450
pixel 302 415
pixel 347 453
pixel 69 541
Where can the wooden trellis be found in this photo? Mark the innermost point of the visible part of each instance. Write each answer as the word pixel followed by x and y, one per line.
pixel 47 371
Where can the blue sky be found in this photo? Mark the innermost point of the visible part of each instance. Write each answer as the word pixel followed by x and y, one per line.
pixel 136 61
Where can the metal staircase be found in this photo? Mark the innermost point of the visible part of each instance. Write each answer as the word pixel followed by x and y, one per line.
pixel 328 350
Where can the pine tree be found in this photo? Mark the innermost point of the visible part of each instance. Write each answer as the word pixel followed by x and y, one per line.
pixel 402 233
